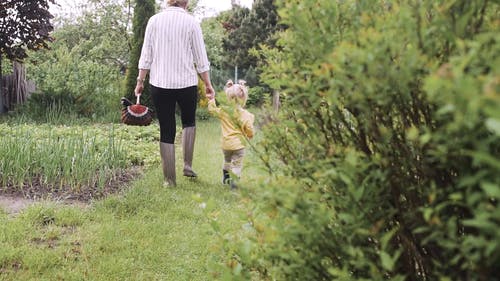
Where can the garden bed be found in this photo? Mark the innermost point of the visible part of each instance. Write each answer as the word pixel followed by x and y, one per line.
pixel 14 198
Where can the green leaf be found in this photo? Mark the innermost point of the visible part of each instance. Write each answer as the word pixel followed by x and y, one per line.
pixel 237 269
pixel 358 192
pixel 387 237
pixel 484 158
pixel 427 213
pixel 492 190
pixel 346 217
pixel 482 224
pixel 215 225
pixel 493 125
pixel 388 262
pixel 425 138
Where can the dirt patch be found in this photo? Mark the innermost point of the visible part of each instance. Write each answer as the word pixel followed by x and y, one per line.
pixel 15 198
pixel 14 205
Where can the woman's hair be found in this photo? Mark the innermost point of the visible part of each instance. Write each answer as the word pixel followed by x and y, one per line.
pixel 177 3
pixel 237 93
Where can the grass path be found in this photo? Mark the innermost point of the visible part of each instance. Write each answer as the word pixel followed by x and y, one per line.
pixel 146 233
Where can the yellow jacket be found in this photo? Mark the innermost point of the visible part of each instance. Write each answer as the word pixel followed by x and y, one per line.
pixel 236 126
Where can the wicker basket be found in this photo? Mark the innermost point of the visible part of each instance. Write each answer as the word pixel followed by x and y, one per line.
pixel 136 114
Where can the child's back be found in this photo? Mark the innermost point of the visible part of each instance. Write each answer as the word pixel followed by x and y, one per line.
pixel 237 128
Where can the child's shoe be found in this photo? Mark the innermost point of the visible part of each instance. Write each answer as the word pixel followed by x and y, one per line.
pixel 233 185
pixel 226 177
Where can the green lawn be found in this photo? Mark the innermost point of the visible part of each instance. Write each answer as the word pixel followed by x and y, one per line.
pixel 146 233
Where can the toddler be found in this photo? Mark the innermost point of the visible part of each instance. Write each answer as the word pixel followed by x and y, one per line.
pixel 237 127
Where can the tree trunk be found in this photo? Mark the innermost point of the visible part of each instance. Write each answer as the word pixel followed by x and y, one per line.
pixel 19 94
pixel 1 88
pixel 14 87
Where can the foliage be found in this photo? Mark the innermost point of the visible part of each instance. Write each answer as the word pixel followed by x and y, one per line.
pixel 213 35
pixel 202 109
pixel 230 37
pixel 24 25
pixel 102 32
pixel 82 73
pixel 143 10
pixel 385 160
pixel 235 45
pixel 247 31
pixel 75 154
pixel 263 23
pixel 258 96
pixel 73 85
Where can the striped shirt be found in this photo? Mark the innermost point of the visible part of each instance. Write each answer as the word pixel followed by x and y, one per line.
pixel 173 50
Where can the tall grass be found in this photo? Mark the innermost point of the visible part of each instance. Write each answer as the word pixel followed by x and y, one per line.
pixel 62 112
pixel 58 156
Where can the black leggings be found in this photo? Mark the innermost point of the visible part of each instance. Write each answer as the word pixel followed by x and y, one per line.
pixel 165 100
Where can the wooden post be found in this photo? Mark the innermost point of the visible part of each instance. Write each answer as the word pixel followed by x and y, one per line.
pixel 276 100
pixel 2 107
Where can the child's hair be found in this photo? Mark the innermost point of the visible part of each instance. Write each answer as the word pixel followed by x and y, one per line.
pixel 177 3
pixel 237 93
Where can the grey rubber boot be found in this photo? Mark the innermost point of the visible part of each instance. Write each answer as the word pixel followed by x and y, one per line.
pixel 167 152
pixel 188 136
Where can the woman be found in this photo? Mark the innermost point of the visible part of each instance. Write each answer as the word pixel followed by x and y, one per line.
pixel 173 53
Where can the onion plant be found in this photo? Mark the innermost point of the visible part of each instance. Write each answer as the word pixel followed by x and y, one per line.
pixel 59 156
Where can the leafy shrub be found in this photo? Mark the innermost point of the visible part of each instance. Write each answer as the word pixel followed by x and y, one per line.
pixel 73 85
pixel 385 161
pixel 202 114
pixel 257 96
pixel 202 110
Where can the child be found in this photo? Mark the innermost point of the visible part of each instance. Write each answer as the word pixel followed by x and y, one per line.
pixel 237 125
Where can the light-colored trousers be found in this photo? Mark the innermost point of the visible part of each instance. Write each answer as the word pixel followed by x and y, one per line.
pixel 233 161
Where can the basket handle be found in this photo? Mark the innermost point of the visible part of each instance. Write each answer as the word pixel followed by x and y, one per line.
pixel 138 99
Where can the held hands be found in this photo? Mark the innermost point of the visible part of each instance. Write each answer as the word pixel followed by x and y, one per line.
pixel 209 92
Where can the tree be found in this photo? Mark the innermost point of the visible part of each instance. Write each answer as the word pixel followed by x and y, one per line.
pixel 84 68
pixel 143 10
pixel 107 25
pixel 237 43
pixel 264 26
pixel 214 34
pixel 247 31
pixel 262 23
pixel 24 25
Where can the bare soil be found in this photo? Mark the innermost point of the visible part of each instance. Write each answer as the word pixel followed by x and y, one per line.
pixel 15 198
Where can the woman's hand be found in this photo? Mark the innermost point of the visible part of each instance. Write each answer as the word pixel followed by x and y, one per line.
pixel 139 87
pixel 209 92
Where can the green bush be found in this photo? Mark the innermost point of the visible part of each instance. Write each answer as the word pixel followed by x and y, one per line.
pixel 258 96
pixel 385 160
pixel 73 85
